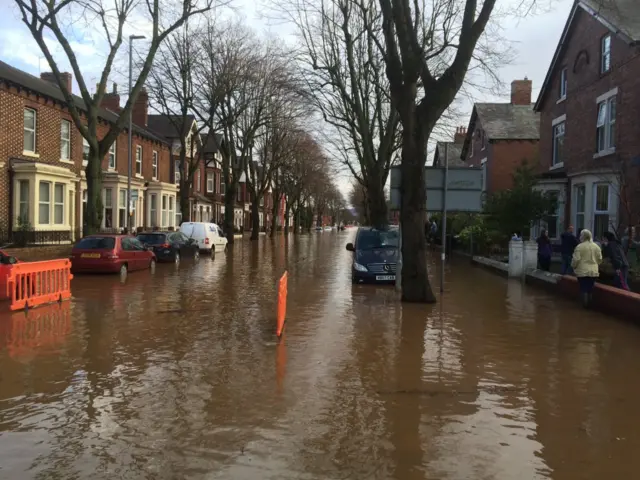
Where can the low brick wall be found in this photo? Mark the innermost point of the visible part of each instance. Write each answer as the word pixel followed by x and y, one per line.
pixel 34 254
pixel 606 299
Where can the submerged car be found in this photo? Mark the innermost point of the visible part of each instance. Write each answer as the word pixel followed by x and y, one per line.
pixel 170 246
pixel 110 254
pixel 375 255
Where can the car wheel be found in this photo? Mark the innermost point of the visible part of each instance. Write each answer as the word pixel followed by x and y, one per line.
pixel 123 269
pixel 213 253
pixel 152 265
pixel 176 257
pixel 226 247
pixel 196 255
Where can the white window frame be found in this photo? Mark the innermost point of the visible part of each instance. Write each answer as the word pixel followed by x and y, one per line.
pixel 154 165
pixel 65 143
pixel 575 204
pixel 26 203
pixel 139 160
pixel 563 83
pixel 86 149
pixel 164 208
pixel 606 123
pixel 108 205
pixel 111 165
pixel 153 210
pixel 32 131
pixel 47 203
pixel 223 186
pixel 210 182
pixel 122 206
pixel 608 212
pixel 557 124
pixel 57 204
pixel 605 53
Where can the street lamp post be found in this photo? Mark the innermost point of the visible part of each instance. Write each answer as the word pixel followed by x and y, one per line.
pixel 131 39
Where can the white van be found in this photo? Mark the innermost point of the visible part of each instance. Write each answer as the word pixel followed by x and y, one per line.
pixel 208 235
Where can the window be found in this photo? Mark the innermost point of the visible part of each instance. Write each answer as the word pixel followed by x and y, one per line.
pixel 551 221
pixel 558 143
pixel 238 194
pixel 134 210
pixel 222 187
pixel 112 156
pixel 210 182
pixel 606 125
pixel 153 209
pixel 65 140
pixel 23 208
pixel 122 209
pixel 605 54
pixel 108 208
pixel 176 172
pixel 164 210
pixel 580 197
pixel 85 151
pixel 563 83
pixel 44 203
pixel 198 181
pixel 154 164
pixel 58 204
pixel 29 130
pixel 139 160
pixel 601 210
pixel 84 207
pixel 173 213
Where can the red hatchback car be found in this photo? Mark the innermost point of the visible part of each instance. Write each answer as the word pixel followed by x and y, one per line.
pixel 110 254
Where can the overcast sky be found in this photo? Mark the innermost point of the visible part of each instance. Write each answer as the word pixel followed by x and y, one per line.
pixel 534 39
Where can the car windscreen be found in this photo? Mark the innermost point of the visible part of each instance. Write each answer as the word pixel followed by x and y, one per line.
pixel 371 239
pixel 96 243
pixel 152 238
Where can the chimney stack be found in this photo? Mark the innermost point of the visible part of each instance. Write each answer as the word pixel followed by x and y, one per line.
pixel 111 101
pixel 460 135
pixel 140 110
pixel 521 92
pixel 67 79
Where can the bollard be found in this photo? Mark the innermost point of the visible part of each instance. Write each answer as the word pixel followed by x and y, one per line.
pixel 282 304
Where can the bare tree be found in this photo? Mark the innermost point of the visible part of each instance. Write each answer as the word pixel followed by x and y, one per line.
pixel 171 88
pixel 229 103
pixel 44 17
pixel 344 72
pixel 427 48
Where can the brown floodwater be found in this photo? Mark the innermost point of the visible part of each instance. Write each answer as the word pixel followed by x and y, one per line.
pixel 176 374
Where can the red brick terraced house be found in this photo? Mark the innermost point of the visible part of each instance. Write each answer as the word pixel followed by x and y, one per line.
pixel 212 174
pixel 500 136
pixel 42 159
pixel 590 118
pixel 453 150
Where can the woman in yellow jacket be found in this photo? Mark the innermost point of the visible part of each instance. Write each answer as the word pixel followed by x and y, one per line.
pixel 586 258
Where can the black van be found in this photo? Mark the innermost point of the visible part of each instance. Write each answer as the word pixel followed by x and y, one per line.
pixel 375 255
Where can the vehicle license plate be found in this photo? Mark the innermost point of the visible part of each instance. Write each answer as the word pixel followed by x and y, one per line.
pixel 384 278
pixel 90 255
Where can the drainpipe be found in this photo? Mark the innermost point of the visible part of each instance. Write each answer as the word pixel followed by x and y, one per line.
pixel 11 201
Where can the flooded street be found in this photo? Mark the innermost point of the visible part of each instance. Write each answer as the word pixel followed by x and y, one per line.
pixel 177 374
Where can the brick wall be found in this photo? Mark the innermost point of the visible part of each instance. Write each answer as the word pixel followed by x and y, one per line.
pixel 505 157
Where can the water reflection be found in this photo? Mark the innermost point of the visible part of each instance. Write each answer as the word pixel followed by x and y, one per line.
pixel 177 374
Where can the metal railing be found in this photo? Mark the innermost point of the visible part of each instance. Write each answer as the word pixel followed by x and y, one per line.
pixel 34 237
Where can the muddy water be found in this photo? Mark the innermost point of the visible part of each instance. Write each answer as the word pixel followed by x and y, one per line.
pixel 176 375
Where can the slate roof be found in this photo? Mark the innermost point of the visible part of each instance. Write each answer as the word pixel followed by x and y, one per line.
pixel 37 85
pixel 165 125
pixel 505 121
pixel 454 152
pixel 211 143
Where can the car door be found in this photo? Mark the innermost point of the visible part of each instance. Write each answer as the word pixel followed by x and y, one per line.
pixel 212 234
pixel 177 242
pixel 143 256
pixel 128 253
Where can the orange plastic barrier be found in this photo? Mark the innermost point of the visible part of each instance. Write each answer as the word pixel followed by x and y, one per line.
pixel 31 284
pixel 282 304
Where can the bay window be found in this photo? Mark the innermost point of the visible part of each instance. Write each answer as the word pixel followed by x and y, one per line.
pixel 108 208
pixel 210 182
pixel 122 209
pixel 23 208
pixel 164 210
pixel 153 210
pixel 44 203
pixel 58 204
pixel 601 209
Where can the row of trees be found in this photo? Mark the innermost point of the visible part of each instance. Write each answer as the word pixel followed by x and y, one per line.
pixel 239 87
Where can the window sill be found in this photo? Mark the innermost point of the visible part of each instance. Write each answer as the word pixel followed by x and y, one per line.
pixel 560 100
pixel 604 153
pixel 557 166
pixel 139 176
pixel 70 162
pixel 27 153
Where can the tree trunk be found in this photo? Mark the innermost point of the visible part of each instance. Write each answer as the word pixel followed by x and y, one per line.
pixel 255 218
pixel 376 204
pixel 93 216
pixel 287 209
pixel 184 202
pixel 415 279
pixel 229 210
pixel 296 220
pixel 274 213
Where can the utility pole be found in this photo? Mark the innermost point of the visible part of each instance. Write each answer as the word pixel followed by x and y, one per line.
pixel 444 214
